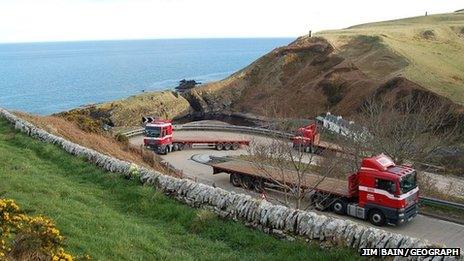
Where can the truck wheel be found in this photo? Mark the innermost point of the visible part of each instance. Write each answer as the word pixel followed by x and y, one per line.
pixel 235 146
pixel 175 147
pixel 307 149
pixel 236 180
pixel 181 146
pixel 164 150
pixel 376 217
pixel 219 146
pixel 227 146
pixel 339 207
pixel 312 149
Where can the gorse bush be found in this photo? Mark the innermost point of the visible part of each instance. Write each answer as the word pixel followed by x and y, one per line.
pixel 122 138
pixel 24 237
pixel 134 172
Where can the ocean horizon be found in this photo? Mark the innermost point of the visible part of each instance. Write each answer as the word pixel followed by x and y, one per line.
pixel 48 77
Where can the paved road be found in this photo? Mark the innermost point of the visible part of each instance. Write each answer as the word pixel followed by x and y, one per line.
pixel 432 229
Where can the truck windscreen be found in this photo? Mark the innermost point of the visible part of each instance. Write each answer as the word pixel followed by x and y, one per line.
pixel 152 131
pixel 408 183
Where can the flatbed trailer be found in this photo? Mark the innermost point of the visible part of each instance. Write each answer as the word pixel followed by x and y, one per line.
pixel 219 144
pixel 251 175
pixel 380 191
pixel 327 146
pixel 159 137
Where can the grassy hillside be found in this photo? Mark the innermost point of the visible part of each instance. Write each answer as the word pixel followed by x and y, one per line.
pixel 129 111
pixel 338 70
pixel 111 218
pixel 432 45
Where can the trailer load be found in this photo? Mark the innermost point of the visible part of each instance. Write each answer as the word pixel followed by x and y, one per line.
pixel 159 137
pixel 381 191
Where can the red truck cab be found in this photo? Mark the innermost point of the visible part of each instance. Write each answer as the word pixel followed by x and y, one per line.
pixel 385 192
pixel 307 138
pixel 158 135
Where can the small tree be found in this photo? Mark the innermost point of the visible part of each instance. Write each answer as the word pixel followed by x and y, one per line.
pixel 409 129
pixel 292 169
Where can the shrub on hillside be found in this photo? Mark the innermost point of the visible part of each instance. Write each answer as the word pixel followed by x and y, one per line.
pixel 122 138
pixel 24 237
pixel 134 172
pixel 89 119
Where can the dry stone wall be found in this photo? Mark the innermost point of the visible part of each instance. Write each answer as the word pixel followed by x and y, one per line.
pixel 261 214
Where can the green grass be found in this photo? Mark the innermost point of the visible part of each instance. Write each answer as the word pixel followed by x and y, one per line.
pixel 111 218
pixel 437 64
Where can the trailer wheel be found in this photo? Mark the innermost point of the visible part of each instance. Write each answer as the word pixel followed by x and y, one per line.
pixel 219 146
pixel 175 147
pixel 235 146
pixel 339 206
pixel 227 146
pixel 376 217
pixel 321 201
pixel 258 184
pixel 181 146
pixel 236 180
pixel 247 182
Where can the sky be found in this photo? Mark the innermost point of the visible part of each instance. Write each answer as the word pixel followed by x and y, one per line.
pixel 74 20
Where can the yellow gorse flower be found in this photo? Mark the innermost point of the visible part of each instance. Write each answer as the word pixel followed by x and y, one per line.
pixel 15 223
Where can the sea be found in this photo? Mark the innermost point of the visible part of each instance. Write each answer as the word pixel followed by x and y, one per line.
pixel 45 78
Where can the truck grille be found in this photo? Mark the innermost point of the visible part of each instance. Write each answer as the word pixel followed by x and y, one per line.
pixel 410 211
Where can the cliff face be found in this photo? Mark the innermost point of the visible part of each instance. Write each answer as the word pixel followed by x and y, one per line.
pixel 302 79
pixel 339 70
pixel 129 112
pixel 335 71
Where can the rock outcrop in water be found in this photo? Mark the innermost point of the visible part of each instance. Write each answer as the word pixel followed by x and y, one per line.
pixel 185 85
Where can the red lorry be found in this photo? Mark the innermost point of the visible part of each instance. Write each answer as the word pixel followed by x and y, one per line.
pixel 159 137
pixel 308 139
pixel 380 191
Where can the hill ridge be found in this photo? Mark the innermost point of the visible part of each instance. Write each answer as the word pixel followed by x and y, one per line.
pixel 338 70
